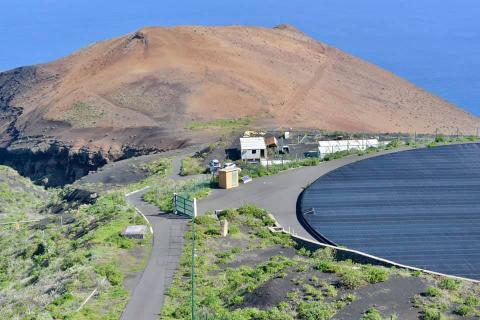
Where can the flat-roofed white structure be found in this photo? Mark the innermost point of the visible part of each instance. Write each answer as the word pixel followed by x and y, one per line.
pixel 253 148
pixel 332 146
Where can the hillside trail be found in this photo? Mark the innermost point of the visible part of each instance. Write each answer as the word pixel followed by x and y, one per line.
pixel 301 92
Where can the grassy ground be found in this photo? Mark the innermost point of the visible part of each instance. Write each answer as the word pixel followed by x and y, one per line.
pixel 19 198
pixel 83 115
pixel 255 274
pixel 158 171
pixel 48 269
pixel 162 194
pixel 192 166
pixel 220 124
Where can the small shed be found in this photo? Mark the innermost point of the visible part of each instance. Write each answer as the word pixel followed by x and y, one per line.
pixel 271 141
pixel 253 148
pixel 228 178
pixel 136 232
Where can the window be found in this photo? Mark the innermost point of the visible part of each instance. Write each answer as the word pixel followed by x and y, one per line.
pixel 254 151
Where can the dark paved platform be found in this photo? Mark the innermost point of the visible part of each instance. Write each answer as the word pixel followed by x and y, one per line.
pixel 419 208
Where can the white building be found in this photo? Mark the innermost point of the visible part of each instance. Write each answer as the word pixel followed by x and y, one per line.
pixel 253 148
pixel 332 146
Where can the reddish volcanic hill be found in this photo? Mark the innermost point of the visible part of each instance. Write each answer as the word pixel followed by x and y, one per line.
pixel 141 90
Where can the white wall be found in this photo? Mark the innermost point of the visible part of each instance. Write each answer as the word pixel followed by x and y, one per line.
pixel 249 155
pixel 327 147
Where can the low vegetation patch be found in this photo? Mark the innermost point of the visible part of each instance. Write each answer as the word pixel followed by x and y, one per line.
pixel 192 166
pixel 161 167
pixel 47 269
pixel 220 123
pixel 83 115
pixel 255 170
pixel 449 298
pixel 233 273
pixel 158 172
pixel 162 195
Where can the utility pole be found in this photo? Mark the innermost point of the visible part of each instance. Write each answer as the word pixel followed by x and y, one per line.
pixel 194 215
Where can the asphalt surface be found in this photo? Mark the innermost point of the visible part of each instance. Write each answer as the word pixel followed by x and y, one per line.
pixel 168 239
pixel 419 208
pixel 148 294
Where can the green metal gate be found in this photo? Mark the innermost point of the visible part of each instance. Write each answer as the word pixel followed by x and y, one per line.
pixel 184 206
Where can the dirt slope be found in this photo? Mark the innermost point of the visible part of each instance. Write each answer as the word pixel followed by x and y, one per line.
pixel 141 90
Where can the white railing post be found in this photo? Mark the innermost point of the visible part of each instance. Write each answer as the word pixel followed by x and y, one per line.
pixel 194 207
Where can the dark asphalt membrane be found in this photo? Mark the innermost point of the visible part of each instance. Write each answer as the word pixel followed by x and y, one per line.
pixel 419 208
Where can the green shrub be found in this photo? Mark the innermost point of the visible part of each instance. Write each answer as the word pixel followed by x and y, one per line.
pixel 449 284
pixel 376 274
pixel 433 292
pixel 191 166
pixel 464 310
pixel 394 144
pixel 472 301
pixel 324 254
pixel 229 214
pixel 220 123
pixel 233 229
pixel 330 290
pixel 111 272
pixel 304 252
pixel 302 268
pixel 159 167
pixel 263 233
pixel 253 211
pixel 372 314
pixel 316 310
pixel 206 220
pixel 328 267
pixel 351 279
pixel 431 314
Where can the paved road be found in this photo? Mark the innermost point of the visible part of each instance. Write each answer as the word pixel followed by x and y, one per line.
pixel 168 238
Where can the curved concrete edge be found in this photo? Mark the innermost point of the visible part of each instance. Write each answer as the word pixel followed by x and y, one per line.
pixel 301 218
pixel 380 261
pixel 325 242
pixel 138 211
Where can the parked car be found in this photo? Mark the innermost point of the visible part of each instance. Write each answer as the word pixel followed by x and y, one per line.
pixel 214 165
pixel 229 165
